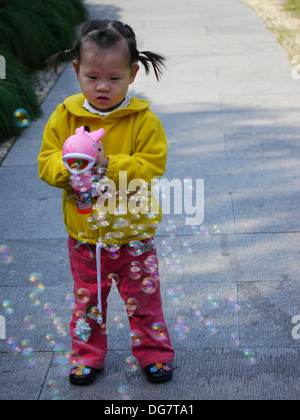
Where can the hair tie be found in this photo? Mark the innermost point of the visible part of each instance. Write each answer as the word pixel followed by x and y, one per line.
pixel 67 51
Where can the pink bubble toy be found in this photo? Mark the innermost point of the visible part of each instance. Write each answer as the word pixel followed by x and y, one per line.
pixel 81 150
pixel 80 153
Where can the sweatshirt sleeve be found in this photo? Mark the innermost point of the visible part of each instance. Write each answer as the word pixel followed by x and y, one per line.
pixel 149 157
pixel 51 167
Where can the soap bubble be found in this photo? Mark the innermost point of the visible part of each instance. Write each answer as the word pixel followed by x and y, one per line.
pixel 81 335
pixel 112 278
pixel 28 322
pixel 93 313
pixel 135 270
pixel 50 340
pixel 132 302
pixel 249 357
pixel 217 230
pixel 91 223
pixel 187 247
pixel 210 327
pixel 200 230
pixel 82 295
pixel 112 247
pixel 181 328
pixel 35 298
pixel 175 294
pixel 159 331
pixel 29 357
pixel 173 262
pixel 74 180
pixel 131 364
pixel 15 345
pixel 21 117
pixel 70 300
pixel 36 280
pixel 53 388
pixel 149 285
pixel 136 337
pixel 8 309
pixel 120 211
pixel 135 248
pixel 6 255
pixel 58 324
pixel 212 302
pixel 118 322
pixel 119 230
pixel 153 220
pixel 170 228
pixel 234 303
pixel 62 355
pixel 150 264
pixel 114 253
pixel 167 247
pixel 133 229
pixel 48 308
pixel 143 231
pixel 235 338
pixel 130 306
pixel 123 392
pixel 101 172
pixel 82 237
pixel 198 313
pixel 79 314
pixel 103 329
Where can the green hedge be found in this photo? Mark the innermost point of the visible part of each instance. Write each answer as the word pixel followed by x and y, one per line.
pixel 31 30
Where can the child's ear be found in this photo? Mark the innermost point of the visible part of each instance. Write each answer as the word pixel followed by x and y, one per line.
pixel 134 72
pixel 76 67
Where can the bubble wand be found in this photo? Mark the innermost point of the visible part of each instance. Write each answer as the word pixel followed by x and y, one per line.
pixel 80 152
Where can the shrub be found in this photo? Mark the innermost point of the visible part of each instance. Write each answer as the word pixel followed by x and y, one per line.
pixel 15 92
pixel 31 31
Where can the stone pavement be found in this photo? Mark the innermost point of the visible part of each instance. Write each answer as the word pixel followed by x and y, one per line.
pixel 231 287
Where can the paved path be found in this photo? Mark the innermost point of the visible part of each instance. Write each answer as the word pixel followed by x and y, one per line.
pixel 230 109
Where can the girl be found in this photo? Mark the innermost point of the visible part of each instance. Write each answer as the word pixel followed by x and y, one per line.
pixel 118 247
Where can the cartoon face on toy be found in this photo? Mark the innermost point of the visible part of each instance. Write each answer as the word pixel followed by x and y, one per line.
pixel 81 150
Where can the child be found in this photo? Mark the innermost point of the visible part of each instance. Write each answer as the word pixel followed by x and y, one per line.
pixel 111 248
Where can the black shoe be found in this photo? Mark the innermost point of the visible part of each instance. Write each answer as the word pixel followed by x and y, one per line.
pixel 82 375
pixel 158 372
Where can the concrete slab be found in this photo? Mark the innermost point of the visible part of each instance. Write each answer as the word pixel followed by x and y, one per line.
pixel 46 211
pixel 32 256
pixel 22 187
pixel 263 257
pixel 23 153
pixel 24 376
pixel 266 315
pixel 266 212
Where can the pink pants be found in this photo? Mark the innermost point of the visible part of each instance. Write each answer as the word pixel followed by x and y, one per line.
pixel 150 337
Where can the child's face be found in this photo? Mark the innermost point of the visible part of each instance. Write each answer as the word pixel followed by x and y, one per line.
pixel 105 74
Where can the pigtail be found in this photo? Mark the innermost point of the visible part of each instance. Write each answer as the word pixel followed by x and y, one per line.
pixel 106 33
pixel 53 61
pixel 87 28
pixel 157 61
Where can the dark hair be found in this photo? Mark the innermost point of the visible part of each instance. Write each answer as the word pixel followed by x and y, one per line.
pixel 106 33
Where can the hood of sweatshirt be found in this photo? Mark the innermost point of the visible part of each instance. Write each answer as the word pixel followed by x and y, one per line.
pixel 74 105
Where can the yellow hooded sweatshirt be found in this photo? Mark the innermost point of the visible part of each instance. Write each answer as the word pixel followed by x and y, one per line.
pixel 134 142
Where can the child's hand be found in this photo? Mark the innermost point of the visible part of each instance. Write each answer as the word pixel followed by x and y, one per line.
pixel 101 162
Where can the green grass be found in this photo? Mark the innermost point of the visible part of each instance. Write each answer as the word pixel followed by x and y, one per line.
pixel 293 6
